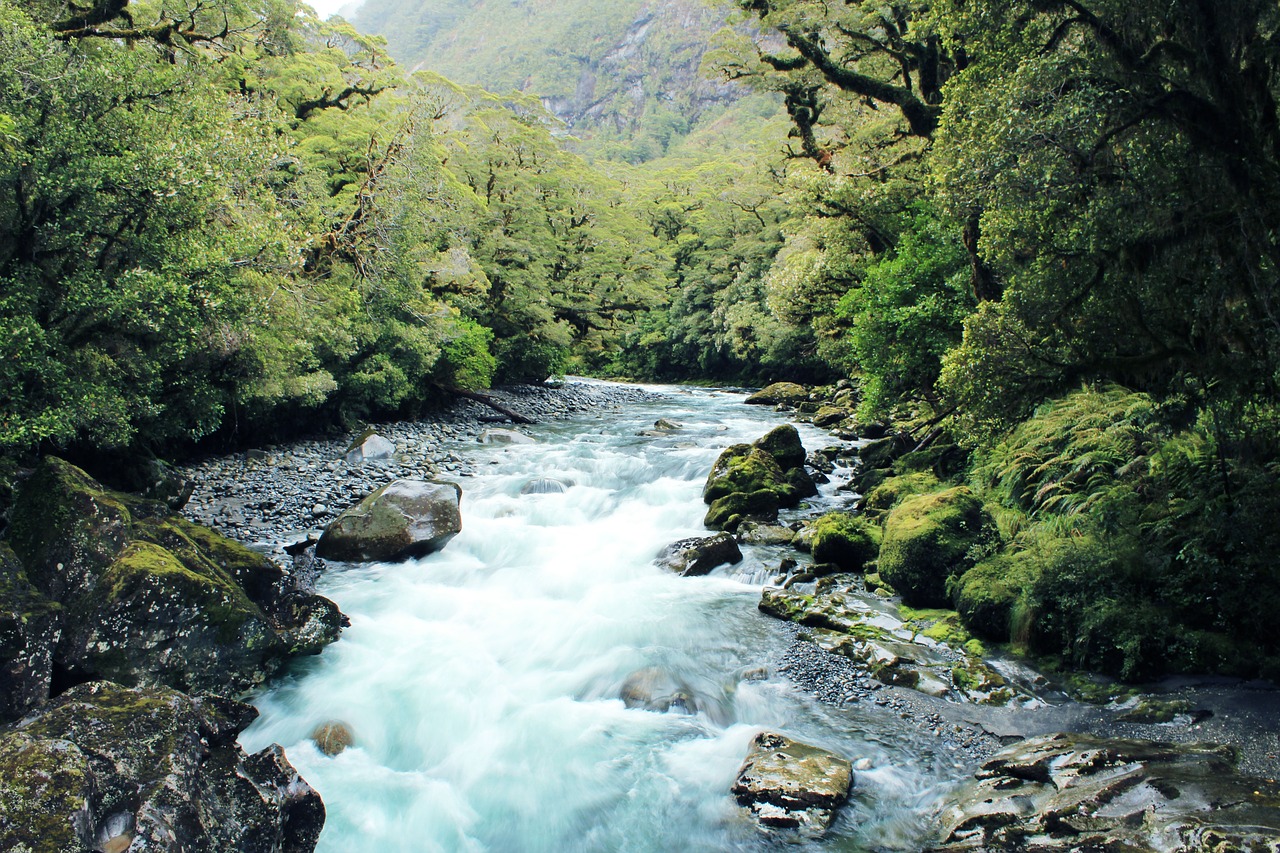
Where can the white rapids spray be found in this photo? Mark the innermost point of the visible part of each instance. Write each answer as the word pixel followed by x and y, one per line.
pixel 482 682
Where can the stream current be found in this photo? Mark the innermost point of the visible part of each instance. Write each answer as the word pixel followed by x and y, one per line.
pixel 482 683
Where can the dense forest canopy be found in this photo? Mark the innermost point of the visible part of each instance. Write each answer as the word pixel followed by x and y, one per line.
pixel 1043 233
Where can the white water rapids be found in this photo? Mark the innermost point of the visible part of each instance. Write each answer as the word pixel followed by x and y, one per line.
pixel 482 682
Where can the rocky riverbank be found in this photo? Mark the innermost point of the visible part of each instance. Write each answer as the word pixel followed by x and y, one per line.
pixel 277 495
pixel 906 529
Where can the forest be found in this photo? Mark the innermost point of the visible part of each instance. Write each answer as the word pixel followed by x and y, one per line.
pixel 1041 237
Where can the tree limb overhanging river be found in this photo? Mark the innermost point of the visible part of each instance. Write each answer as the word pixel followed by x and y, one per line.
pixel 482 683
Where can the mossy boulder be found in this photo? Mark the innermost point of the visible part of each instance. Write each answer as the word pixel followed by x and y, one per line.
pixel 401 520
pixel 829 416
pixel 779 393
pixel 744 468
pixel 728 512
pixel 146 598
pixel 849 541
pixel 927 539
pixel 104 767
pixel 890 493
pixel 783 444
pixel 755 480
pixel 881 452
pixel 985 595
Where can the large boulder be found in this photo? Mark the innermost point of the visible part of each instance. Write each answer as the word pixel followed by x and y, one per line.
pixel 1066 792
pixel 498 435
pixel 787 784
pixel 849 541
pixel 108 768
pixel 930 538
pixel 755 480
pixel 369 445
pixel 692 557
pixel 780 393
pixel 403 519
pixel 147 598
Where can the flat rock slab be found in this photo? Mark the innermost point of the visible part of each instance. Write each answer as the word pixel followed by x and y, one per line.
pixel 786 784
pixel 692 557
pixel 403 519
pixel 1066 792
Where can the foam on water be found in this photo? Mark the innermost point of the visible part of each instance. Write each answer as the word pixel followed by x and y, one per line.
pixel 482 683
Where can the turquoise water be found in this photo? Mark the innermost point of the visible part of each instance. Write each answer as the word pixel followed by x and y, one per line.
pixel 482 682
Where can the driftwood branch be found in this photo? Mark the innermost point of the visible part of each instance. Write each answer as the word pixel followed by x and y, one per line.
pixel 486 400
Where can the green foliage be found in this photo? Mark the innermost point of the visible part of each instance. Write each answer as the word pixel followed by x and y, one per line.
pixel 849 541
pixel 930 538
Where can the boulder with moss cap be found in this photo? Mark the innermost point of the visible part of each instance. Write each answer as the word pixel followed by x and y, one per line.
pixel 401 520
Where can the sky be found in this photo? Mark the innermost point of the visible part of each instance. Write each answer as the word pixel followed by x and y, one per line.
pixel 331 7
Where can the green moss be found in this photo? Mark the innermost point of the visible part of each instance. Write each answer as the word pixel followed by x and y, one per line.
pixel 849 541
pixel 891 492
pixel 927 539
pixel 728 512
pixel 218 602
pixel 986 595
pixel 783 444
pixel 748 471
pixel 42 784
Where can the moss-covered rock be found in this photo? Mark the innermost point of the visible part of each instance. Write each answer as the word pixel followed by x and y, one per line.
pixel 985 595
pixel 744 468
pixel 30 626
pixel 780 393
pixel 786 784
pixel 728 512
pixel 849 541
pixel 783 444
pixel 927 539
pixel 143 597
pixel 403 519
pixel 881 452
pixel 155 620
pixel 890 493
pixel 104 767
pixel 829 416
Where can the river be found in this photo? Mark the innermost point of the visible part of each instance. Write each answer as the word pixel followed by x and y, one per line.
pixel 482 682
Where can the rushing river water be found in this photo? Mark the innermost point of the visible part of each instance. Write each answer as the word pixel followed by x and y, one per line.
pixel 482 682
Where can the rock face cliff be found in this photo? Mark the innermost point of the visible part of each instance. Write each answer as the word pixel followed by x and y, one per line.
pixel 625 68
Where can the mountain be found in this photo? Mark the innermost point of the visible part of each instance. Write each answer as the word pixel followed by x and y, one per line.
pixel 623 75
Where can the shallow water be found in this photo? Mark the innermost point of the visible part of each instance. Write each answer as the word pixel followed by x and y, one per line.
pixel 482 682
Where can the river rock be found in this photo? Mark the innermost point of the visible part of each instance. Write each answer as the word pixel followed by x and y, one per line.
pixel 504 436
pixel 698 556
pixel 829 416
pixel 332 737
pixel 403 519
pixel 147 598
pixel 108 768
pixel 667 425
pixel 654 689
pixel 780 393
pixel 30 627
pixel 759 533
pixel 542 486
pixel 930 538
pixel 787 784
pixel 367 446
pixel 1066 792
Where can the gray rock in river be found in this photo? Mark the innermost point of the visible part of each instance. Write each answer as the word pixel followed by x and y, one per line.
pixel 108 768
pixel 1066 792
pixel 504 436
pixel 786 784
pixel 406 518
pixel 692 557
pixel 542 486
pixel 367 446
pixel 655 689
